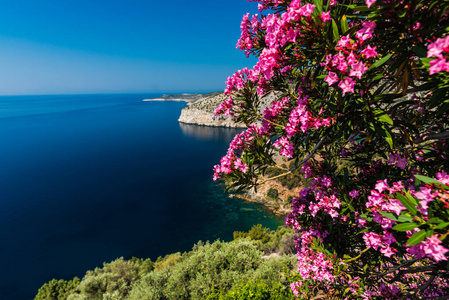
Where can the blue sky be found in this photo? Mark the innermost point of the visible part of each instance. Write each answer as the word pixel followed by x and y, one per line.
pixel 97 46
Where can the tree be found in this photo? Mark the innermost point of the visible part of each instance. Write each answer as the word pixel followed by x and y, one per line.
pixel 362 100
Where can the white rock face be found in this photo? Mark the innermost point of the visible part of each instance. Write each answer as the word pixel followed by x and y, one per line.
pixel 201 112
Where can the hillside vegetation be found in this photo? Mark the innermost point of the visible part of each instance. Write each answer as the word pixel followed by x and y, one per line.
pixel 257 264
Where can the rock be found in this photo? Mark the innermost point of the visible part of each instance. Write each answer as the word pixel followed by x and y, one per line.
pixel 202 111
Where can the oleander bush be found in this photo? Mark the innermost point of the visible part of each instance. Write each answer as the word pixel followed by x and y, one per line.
pixel 361 111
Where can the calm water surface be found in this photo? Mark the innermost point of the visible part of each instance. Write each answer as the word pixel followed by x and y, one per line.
pixel 85 179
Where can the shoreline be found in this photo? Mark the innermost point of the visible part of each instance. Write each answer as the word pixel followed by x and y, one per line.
pixel 162 99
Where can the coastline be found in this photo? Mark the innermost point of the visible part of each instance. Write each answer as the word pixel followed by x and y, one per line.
pixel 162 99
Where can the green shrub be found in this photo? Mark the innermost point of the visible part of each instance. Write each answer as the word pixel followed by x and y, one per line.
pixel 280 240
pixel 57 289
pixel 273 193
pixel 168 261
pixel 257 233
pixel 113 281
pixel 217 266
pixel 256 290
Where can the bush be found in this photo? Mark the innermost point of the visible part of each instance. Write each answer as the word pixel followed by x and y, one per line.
pixel 218 266
pixel 273 193
pixel 280 240
pixel 256 290
pixel 57 289
pixel 360 108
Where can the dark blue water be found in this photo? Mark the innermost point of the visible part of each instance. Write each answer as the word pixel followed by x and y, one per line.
pixel 87 179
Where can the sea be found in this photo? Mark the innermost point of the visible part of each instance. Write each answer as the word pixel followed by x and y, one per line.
pixel 87 179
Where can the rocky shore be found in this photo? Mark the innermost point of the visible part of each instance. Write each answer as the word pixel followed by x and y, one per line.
pixel 202 110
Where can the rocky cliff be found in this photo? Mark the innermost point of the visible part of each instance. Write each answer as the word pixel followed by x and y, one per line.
pixel 201 111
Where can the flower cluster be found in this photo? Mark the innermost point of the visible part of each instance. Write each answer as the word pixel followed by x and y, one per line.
pixel 440 50
pixel 359 154
pixel 348 62
pixel 384 198
pixel 232 161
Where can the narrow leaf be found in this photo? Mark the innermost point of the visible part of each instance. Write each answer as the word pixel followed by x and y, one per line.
pixel 405 226
pixel 416 238
pixel 344 24
pixel 335 31
pixel 380 61
pixel 382 116
pixel 389 215
pixel 429 180
pixel 442 225
pixel 406 202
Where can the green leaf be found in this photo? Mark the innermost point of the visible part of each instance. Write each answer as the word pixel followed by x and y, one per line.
pixel 319 5
pixel 405 226
pixel 405 218
pixel 344 24
pixel 382 116
pixel 429 180
pixel 389 215
pixel 406 202
pixel 411 199
pixel 380 61
pixel 335 31
pixel 442 225
pixel 434 220
pixel 416 238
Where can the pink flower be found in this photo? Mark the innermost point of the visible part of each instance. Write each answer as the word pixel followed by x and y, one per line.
pixel 347 85
pixel 443 177
pixel 325 16
pixel 351 59
pixel 306 10
pixel 438 47
pixel 342 66
pixel 354 193
pixel 370 2
pixel 382 185
pixel 367 30
pixel 369 51
pixel 331 78
pixel 344 41
pixel 372 240
pixel 358 69
pixel 286 147
pixel 438 65
pixel 432 248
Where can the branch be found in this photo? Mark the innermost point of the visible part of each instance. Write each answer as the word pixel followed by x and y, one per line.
pixel 403 265
pixel 317 146
pixel 431 136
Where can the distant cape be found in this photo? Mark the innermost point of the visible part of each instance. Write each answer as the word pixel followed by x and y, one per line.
pixel 200 109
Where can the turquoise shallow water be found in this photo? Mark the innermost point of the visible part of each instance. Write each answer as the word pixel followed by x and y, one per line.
pixel 85 179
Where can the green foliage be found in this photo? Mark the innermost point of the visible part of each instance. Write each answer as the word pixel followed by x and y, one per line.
pixel 257 290
pixel 211 267
pixel 257 233
pixel 280 240
pixel 57 289
pixel 166 262
pixel 273 193
pixel 114 279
